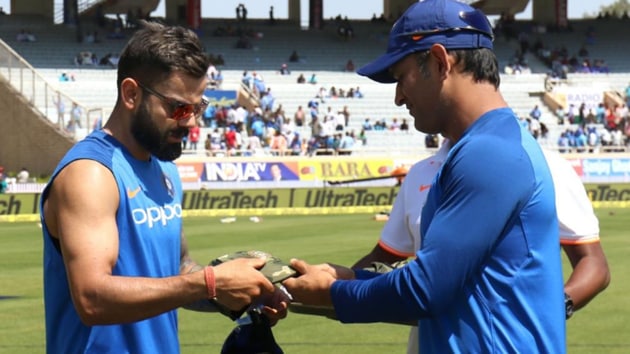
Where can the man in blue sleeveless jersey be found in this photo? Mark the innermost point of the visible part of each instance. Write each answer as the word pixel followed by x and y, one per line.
pixel 487 277
pixel 116 264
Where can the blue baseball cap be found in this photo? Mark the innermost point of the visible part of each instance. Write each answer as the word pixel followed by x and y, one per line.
pixel 451 23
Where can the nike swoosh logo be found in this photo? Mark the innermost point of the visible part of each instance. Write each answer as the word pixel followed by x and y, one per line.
pixel 424 187
pixel 133 193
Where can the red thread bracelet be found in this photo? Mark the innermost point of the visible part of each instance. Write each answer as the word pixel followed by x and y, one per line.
pixel 211 285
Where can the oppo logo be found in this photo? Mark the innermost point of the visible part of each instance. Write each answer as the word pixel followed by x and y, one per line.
pixel 157 215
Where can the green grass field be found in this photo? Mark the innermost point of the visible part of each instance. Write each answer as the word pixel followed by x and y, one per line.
pixel 599 328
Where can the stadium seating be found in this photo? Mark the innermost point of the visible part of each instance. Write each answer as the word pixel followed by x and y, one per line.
pixel 321 52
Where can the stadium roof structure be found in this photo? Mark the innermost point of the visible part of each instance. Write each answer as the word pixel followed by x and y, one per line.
pixel 54 8
pixel 497 7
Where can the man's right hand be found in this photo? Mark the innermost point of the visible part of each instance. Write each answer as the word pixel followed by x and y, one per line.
pixel 239 283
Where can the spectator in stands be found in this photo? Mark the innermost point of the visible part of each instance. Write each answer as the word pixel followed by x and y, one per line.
pixel 580 139
pixel 358 93
pixel 600 113
pixel 2 12
pixel 76 114
pixel 64 77
pixel 590 118
pixel 23 176
pixel 267 101
pixel 30 37
pixel 243 12
pixel 585 68
pixel 333 92
pixel 313 106
pixel 258 124
pixel 394 125
pixel 194 134
pixel 299 117
pixel 380 125
pixel 571 113
pixel 313 79
pixel 627 94
pixel 216 142
pixel 431 141
pixel 294 57
pixel 219 60
pixel 523 39
pixel 560 115
pixel 610 119
pixel 247 79
pixel 534 127
pixel 71 127
pixel 346 116
pixel 272 19
pixel 367 125
pixel 345 30
pixel 301 79
pixel 563 142
pixel 3 181
pixel 350 66
pixel 295 146
pixel 284 70
pixel 216 79
pixel 581 115
pixel 208 116
pixel 88 38
pixel 339 120
pixel 230 140
pixel 259 84
pixel 208 145
pixel 535 113
pixel 98 123
pixel 61 109
pixel 184 142
pixel 404 126
pixel 278 144
pixel 600 66
pixel 362 137
pixel 592 137
pixel 25 36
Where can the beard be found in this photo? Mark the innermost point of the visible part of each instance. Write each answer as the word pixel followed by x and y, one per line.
pixel 149 136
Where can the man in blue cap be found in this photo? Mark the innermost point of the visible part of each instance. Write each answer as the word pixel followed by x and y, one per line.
pixel 487 278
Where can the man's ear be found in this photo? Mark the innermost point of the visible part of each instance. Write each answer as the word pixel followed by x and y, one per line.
pixel 130 93
pixel 443 59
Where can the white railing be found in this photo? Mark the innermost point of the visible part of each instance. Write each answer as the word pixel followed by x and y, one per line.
pixel 44 96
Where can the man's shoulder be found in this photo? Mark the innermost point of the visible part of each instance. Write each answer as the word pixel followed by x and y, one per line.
pixel 426 167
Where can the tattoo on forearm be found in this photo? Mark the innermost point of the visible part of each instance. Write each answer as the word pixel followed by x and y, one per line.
pixel 189 263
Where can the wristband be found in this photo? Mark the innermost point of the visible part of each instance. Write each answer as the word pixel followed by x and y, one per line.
pixel 211 285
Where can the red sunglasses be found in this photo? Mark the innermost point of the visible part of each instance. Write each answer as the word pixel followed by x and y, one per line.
pixel 179 110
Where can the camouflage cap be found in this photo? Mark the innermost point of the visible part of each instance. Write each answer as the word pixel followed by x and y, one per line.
pixel 274 269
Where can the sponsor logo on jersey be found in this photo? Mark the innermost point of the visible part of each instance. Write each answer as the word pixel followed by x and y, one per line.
pixel 132 193
pixel 156 215
pixel 424 187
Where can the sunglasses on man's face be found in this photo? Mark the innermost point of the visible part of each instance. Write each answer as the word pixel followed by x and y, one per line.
pixel 179 110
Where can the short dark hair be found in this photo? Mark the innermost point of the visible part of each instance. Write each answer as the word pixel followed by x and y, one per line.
pixel 156 50
pixel 481 63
